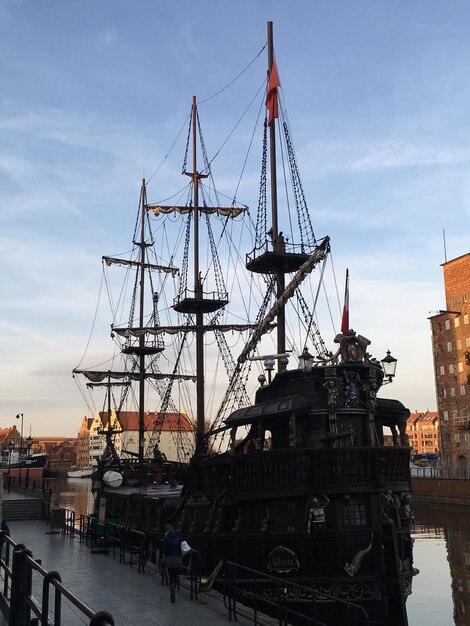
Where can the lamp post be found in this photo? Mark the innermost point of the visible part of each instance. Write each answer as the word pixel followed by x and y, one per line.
pixel 389 366
pixel 11 445
pixel 29 443
pixel 21 443
pixel 21 432
pixel 306 361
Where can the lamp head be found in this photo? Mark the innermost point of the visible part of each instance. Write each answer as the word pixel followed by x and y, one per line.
pixel 389 366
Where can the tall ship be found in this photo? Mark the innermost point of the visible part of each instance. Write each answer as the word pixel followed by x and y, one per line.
pixel 290 474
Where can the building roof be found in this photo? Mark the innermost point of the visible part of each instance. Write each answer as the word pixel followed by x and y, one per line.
pixel 5 433
pixel 458 258
pixel 169 422
pixel 422 416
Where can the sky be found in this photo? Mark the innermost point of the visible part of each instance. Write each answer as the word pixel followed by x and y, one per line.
pixel 93 94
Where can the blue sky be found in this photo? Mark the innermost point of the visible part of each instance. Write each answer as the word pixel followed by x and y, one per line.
pixel 92 95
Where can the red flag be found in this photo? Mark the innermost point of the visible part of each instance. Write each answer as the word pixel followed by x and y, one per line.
pixel 345 320
pixel 271 95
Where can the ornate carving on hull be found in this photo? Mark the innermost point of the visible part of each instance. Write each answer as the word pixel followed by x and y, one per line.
pixel 317 513
pixel 406 514
pixel 282 560
pixel 352 568
pixel 373 388
pixel 332 393
pixel 265 520
pixel 323 592
pixel 352 393
pixel 352 347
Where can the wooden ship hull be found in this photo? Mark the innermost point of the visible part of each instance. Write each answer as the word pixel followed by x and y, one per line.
pixel 310 494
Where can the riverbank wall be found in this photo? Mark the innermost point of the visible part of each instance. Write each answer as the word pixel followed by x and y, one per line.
pixel 449 491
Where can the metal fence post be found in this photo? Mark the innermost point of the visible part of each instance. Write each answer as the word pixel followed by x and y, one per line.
pixel 20 583
pixel 102 618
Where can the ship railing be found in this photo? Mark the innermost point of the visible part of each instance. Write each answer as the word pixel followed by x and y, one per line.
pixel 258 592
pixel 303 466
pixel 21 574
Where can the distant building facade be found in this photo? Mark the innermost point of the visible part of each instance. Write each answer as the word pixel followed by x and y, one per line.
pixel 62 457
pixel 83 443
pixel 422 429
pixel 450 330
pixel 171 433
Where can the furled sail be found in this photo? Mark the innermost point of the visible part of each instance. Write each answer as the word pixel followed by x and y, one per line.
pixel 98 376
pixel 162 268
pixel 173 330
pixel 208 210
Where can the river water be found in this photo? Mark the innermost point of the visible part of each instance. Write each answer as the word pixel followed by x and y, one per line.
pixel 441 591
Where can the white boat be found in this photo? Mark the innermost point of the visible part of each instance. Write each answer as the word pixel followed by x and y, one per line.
pixel 84 472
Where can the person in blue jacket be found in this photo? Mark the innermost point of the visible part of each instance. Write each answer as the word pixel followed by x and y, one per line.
pixel 171 552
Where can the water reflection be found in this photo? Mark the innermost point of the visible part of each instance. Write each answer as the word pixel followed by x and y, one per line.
pixel 441 591
pixel 71 493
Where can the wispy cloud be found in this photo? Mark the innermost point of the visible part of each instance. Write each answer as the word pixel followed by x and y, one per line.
pixel 107 38
pixel 365 155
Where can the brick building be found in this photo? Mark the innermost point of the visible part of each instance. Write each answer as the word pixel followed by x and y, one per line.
pixel 450 330
pixel 422 429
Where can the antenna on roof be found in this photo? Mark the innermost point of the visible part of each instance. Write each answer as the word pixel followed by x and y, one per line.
pixel 445 248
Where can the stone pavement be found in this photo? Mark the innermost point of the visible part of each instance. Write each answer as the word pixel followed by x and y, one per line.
pixel 105 584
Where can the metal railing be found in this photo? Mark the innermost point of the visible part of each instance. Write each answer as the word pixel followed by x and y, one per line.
pixel 438 472
pixel 20 606
pixel 275 596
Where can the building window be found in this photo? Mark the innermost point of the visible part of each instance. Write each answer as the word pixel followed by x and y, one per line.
pixel 451 368
pixel 447 324
pixel 464 297
pixel 456 322
pixel 446 415
pixel 462 390
pixel 467 342
pixel 444 394
pixel 455 414
pixel 442 370
pixel 457 437
pixel 460 366
pixel 465 319
pixel 449 346
pixel 458 344
pixel 452 392
pixel 455 300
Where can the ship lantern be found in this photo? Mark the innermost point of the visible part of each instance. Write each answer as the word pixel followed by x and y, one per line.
pixel 306 361
pixel 389 366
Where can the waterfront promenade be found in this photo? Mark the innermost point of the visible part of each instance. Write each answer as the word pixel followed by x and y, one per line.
pixel 107 585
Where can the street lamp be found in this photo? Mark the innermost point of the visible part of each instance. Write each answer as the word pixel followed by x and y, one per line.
pixel 29 443
pixel 389 366
pixel 21 432
pixel 21 444
pixel 11 445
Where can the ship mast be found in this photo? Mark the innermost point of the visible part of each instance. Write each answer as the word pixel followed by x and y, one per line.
pixel 278 241
pixel 141 354
pixel 143 348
